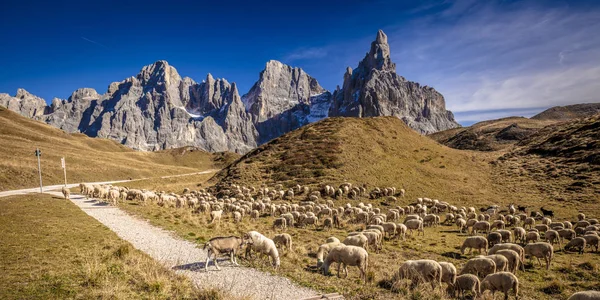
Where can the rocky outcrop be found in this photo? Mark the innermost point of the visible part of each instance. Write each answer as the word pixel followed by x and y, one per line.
pixel 374 89
pixel 24 103
pixel 283 99
pixel 158 109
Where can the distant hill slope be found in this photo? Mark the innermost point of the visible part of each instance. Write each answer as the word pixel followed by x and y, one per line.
pixel 88 159
pixel 490 135
pixel 564 157
pixel 380 151
pixel 569 112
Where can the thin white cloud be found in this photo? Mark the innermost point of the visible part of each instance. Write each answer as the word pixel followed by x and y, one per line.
pixel 503 56
pixel 94 42
pixel 306 53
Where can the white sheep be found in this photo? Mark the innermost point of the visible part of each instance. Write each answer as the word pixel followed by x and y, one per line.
pixel 401 231
pixel 483 226
pixel 215 215
pixel 500 260
pixel 552 237
pixel 532 236
pixel 347 256
pixel 222 245
pixel 263 245
pixel 424 270
pixel 480 266
pixel 592 240
pixel 448 273
pixel 324 250
pixel 503 282
pixel 577 243
pixel 585 295
pixel 359 240
pixel 474 242
pixel 415 224
pixel 541 250
pixel 519 234
pixel 467 282
pixel 66 193
pixel 510 246
pixel 513 258
pixel 284 240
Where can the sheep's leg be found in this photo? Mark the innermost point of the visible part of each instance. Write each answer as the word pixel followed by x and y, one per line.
pixel 206 263
pixel 216 264
pixel 338 270
pixel 539 261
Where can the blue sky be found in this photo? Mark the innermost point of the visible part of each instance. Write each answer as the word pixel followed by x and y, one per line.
pixel 490 59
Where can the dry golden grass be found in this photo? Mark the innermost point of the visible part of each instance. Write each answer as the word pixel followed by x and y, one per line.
pixel 50 249
pixel 569 273
pixel 490 135
pixel 88 159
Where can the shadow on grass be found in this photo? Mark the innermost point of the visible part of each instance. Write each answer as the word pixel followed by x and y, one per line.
pixel 199 266
pixel 453 255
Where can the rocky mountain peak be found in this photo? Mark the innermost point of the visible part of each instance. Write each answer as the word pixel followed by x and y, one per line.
pixel 84 94
pixel 374 89
pixel 379 55
pixel 22 94
pixel 157 73
pixel 279 88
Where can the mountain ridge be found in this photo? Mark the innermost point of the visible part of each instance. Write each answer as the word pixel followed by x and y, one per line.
pixel 158 109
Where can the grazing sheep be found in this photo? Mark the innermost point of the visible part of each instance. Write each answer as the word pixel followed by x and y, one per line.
pixel 513 258
pixel 577 243
pixel 401 231
pixel 509 246
pixel 448 273
pixel 461 224
pixel 494 238
pixel 327 223
pixel 466 282
pixel 474 242
pixel 237 217
pixel 347 256
pixel 552 237
pixel 284 240
pixel 483 226
pixel 222 245
pixel 215 215
pixel 480 266
pixel 585 295
pixel 66 193
pixel 359 240
pixel 324 250
pixel 532 236
pixel 503 282
pixel 592 240
pixel 254 215
pixel 529 223
pixel 568 234
pixel 424 270
pixel 415 225
pixel 280 223
pixel 506 235
pixel 541 250
pixel 500 260
pixel 264 245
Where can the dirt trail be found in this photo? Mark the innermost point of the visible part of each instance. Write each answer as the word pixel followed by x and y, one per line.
pixel 185 258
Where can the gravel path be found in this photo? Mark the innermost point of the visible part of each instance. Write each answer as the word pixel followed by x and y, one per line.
pixel 183 256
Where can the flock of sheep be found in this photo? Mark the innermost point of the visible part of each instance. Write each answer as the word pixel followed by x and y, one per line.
pixel 502 251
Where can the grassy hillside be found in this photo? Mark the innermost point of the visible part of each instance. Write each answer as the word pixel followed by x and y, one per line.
pixel 569 112
pixel 379 151
pixel 563 161
pixel 88 159
pixel 43 256
pixel 490 135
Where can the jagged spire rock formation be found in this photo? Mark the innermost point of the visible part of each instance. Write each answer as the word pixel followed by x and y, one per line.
pixel 158 109
pixel 283 99
pixel 374 89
